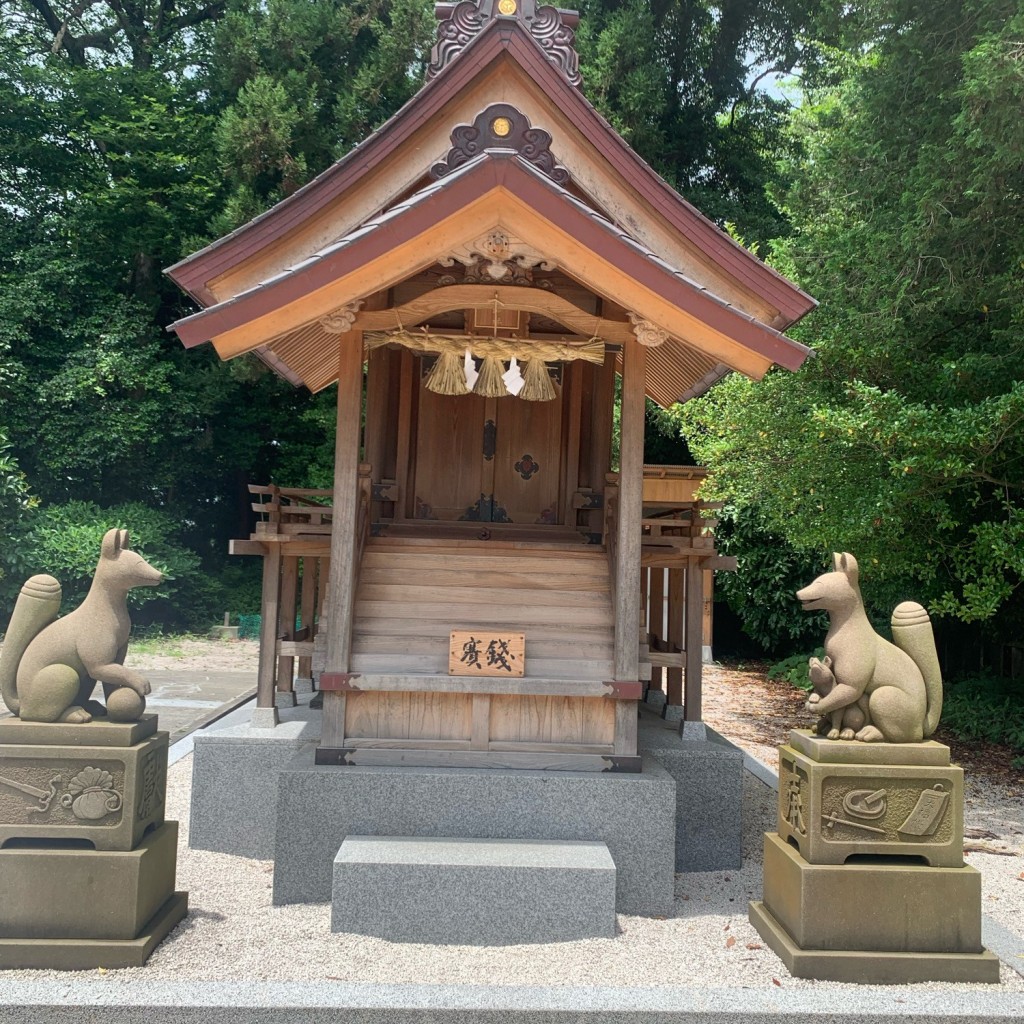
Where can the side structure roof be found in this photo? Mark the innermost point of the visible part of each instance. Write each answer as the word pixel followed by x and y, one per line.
pixel 458 63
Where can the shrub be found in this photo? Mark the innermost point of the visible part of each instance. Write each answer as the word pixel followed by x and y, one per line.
pixel 793 670
pixel 65 542
pixel 986 708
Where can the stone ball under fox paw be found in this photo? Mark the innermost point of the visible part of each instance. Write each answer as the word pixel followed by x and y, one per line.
pixel 125 705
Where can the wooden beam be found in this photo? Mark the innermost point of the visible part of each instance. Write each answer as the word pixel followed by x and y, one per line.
pixel 344 551
pixel 474 296
pixel 676 638
pixel 630 512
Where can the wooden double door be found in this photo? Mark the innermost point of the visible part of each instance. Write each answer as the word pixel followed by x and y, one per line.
pixel 494 460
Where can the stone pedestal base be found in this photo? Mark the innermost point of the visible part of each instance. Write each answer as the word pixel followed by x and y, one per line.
pixel 55 787
pixel 62 893
pixel 88 954
pixel 838 799
pixel 871 968
pixel 865 880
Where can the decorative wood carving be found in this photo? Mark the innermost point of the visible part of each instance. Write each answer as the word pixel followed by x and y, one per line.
pixel 497 257
pixel 501 126
pixel 341 320
pixel 554 31
pixel 649 335
pixel 460 23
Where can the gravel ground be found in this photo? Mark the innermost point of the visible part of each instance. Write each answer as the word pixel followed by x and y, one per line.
pixel 233 932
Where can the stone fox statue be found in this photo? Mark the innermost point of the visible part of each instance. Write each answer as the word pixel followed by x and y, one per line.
pixel 901 682
pixel 48 668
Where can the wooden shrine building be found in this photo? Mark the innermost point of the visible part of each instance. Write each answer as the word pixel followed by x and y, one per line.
pixel 476 273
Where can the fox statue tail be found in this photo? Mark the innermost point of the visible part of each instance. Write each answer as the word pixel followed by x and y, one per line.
pixel 912 633
pixel 36 607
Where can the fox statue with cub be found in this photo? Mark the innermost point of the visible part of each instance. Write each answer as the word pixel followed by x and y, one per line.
pixel 49 666
pixel 866 688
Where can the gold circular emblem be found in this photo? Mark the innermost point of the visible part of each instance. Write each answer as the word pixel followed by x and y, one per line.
pixel 501 126
pixel 507 6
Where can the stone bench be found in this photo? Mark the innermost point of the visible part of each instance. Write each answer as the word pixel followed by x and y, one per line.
pixel 473 891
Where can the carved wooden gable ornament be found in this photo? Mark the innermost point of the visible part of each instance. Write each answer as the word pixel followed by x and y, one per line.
pixel 551 27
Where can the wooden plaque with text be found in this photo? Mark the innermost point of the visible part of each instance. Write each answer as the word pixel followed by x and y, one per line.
pixel 477 653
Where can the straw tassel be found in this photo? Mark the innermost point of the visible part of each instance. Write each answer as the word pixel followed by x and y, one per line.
pixel 490 383
pixel 538 386
pixel 447 376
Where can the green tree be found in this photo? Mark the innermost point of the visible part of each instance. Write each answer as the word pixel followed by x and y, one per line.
pixel 682 81
pixel 902 440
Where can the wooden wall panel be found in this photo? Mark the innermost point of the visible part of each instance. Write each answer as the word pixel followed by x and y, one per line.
pixel 528 429
pixel 448 478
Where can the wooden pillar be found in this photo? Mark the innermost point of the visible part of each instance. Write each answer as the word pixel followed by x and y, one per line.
pixel 286 621
pixel 630 513
pixel 676 639
pixel 307 605
pixel 708 618
pixel 269 607
pixel 344 550
pixel 694 635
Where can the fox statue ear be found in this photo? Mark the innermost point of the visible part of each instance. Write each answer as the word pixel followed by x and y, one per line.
pixel 837 560
pixel 111 543
pixel 123 540
pixel 848 564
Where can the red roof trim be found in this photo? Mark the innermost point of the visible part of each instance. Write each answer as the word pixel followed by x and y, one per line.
pixel 499 36
pixel 436 203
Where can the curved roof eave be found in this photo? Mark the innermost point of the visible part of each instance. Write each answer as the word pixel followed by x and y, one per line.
pixel 193 272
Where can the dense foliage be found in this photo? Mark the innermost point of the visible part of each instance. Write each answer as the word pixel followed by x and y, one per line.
pixel 130 135
pixel 902 441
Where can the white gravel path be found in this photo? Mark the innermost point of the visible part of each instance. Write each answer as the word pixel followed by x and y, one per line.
pixel 234 933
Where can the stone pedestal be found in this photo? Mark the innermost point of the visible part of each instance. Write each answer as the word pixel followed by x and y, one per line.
pixel 865 879
pixel 87 861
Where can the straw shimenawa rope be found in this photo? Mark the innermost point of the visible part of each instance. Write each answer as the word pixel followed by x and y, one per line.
pixel 448 374
pixel 592 351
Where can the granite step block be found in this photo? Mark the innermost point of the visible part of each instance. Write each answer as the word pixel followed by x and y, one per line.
pixel 473 892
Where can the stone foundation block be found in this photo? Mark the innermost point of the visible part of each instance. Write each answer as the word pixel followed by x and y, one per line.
pixel 234 785
pixel 708 772
pixel 105 795
pixel 60 893
pixel 318 806
pixel 473 891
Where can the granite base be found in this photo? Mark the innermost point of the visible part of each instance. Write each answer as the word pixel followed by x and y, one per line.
pixel 473 892
pixel 319 805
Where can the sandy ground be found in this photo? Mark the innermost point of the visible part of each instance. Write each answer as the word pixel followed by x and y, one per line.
pixel 195 654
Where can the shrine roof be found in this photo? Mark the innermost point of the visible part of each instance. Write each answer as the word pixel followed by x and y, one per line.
pixel 499 38
pixel 719 330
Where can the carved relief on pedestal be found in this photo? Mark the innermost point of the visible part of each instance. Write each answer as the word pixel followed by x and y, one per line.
pixel 32 793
